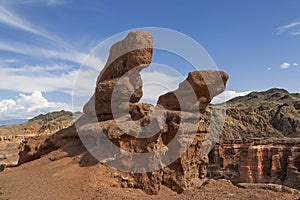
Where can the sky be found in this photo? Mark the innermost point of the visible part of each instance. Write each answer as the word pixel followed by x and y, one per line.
pixel 43 44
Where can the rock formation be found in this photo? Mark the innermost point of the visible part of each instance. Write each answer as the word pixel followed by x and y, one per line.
pixel 127 57
pixel 174 149
pixel 257 161
pixel 153 145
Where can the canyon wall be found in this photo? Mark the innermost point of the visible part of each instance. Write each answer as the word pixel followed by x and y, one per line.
pixel 272 160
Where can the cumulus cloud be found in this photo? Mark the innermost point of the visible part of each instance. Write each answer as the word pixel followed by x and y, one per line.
pixel 28 106
pixel 227 95
pixel 286 65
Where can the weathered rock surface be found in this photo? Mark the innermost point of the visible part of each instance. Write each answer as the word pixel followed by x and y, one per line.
pixel 257 161
pixel 127 57
pixel 199 88
pixel 171 133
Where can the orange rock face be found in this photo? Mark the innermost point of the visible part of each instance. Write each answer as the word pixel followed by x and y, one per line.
pixel 259 161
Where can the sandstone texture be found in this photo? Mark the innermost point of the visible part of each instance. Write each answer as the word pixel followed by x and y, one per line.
pixel 117 129
pixel 270 160
pixel 174 149
pixel 126 59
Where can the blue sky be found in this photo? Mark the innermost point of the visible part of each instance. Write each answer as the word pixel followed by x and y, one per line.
pixel 44 42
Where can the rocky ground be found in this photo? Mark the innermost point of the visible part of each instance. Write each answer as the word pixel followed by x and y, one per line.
pixel 79 178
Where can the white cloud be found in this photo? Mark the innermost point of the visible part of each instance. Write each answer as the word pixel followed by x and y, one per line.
pixel 269 68
pixel 19 80
pixel 37 52
pixel 46 2
pixel 227 95
pixel 9 18
pixel 156 83
pixel 285 65
pixel 291 27
pixel 27 106
pixel 49 78
pixel 40 69
pixel 295 32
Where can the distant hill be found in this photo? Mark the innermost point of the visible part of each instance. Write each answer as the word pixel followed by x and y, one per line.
pixel 271 113
pixel 41 124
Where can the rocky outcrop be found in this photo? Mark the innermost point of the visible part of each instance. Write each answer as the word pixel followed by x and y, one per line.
pixel 199 88
pixel 172 150
pixel 126 59
pixel 153 145
pixel 257 161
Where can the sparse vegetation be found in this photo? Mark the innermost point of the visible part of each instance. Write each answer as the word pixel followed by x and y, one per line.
pixel 272 113
pixel 234 167
pixel 214 167
pixel 244 153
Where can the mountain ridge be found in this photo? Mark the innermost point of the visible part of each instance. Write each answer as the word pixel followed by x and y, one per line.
pixel 271 113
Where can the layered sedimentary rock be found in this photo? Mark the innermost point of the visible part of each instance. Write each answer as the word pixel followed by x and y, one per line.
pixel 257 161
